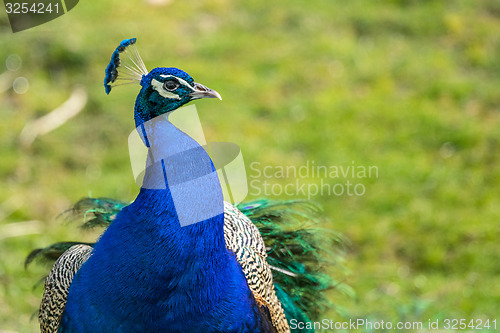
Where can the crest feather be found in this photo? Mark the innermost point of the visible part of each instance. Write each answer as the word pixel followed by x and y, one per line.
pixel 128 69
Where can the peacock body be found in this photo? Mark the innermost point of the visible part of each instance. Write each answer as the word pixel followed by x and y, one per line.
pixel 179 258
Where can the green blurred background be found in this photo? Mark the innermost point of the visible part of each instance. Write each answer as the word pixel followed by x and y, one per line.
pixel 412 87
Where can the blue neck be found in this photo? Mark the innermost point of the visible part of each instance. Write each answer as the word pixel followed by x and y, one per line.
pixel 178 165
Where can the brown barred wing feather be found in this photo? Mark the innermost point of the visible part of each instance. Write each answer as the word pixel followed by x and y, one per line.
pixel 57 286
pixel 244 239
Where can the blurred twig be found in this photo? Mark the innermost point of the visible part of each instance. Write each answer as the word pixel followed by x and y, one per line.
pixel 20 229
pixel 54 119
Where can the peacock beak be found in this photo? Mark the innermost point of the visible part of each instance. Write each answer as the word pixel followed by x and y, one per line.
pixel 200 91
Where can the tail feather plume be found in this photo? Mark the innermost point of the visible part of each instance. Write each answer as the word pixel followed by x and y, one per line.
pixel 95 212
pixel 300 252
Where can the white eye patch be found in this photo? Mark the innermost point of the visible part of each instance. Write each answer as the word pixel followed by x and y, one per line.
pixel 181 81
pixel 158 86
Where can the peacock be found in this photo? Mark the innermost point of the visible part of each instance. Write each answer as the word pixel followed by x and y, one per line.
pixel 179 258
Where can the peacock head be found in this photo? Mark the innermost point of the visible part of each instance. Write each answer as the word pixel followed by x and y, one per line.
pixel 164 89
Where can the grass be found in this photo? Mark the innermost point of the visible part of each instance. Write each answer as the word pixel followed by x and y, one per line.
pixel 411 87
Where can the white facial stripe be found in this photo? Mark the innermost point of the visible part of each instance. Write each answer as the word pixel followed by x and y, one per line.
pixel 181 81
pixel 158 86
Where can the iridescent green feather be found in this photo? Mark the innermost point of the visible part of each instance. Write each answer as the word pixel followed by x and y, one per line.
pixel 296 244
pixel 97 212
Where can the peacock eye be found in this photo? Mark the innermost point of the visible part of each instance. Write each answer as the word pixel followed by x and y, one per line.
pixel 170 85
